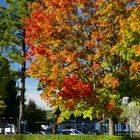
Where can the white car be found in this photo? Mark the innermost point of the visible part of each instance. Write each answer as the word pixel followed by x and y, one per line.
pixel 71 132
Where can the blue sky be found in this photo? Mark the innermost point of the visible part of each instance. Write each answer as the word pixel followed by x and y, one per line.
pixel 3 3
pixel 31 84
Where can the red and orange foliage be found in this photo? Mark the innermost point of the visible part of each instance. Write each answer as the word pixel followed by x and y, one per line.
pixel 110 105
pixel 73 88
pixel 80 48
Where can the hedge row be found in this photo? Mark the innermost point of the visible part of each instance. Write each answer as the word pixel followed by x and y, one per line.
pixel 63 137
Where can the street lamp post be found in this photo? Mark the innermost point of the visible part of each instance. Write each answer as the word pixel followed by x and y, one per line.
pixel 125 101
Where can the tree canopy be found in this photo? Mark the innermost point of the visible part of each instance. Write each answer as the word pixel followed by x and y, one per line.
pixel 85 53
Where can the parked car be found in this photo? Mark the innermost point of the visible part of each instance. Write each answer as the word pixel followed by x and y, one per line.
pixel 27 132
pixel 71 132
pixel 43 132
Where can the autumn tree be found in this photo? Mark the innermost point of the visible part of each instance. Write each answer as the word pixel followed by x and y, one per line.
pixel 85 53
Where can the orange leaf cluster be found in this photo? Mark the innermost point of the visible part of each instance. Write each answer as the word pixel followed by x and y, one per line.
pixel 110 106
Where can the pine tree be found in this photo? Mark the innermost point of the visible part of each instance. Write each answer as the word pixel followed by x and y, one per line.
pixel 12 42
pixel 34 114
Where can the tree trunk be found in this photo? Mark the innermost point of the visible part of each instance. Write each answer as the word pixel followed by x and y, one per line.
pixel 22 91
pixel 111 127
pixel 101 129
pixel 55 126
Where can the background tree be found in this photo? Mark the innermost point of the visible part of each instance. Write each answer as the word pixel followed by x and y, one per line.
pixel 2 106
pixel 11 100
pixel 84 53
pixel 12 42
pixel 8 90
pixel 33 115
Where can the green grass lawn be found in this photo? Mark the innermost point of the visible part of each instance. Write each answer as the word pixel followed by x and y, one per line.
pixel 63 137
